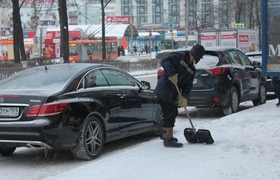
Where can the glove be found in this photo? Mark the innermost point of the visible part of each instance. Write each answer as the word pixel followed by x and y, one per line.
pixel 183 102
pixel 174 78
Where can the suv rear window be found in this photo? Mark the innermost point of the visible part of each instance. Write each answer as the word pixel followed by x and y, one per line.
pixel 208 60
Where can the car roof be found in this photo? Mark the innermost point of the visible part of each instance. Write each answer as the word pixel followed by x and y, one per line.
pixel 252 53
pixel 210 48
pixel 74 66
pixel 79 65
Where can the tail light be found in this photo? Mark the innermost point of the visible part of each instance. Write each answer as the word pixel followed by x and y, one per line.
pixel 160 73
pixel 46 109
pixel 217 70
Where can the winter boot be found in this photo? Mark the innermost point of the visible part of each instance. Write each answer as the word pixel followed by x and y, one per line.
pixel 171 143
pixel 169 140
pixel 162 138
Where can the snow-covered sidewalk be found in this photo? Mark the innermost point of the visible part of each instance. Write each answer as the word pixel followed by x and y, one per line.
pixel 246 147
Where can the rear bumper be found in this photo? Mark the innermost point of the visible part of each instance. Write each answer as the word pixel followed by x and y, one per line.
pixel 37 133
pixel 207 98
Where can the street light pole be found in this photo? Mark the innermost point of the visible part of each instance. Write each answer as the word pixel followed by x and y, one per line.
pixel 171 31
pixel 150 36
pixel 171 27
pixel 103 30
pixel 187 21
pixel 131 30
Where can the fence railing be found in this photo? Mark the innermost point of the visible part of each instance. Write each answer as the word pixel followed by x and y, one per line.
pixel 9 68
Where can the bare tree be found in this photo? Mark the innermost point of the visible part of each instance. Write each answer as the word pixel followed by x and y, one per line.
pixel 254 14
pixel 248 12
pixel 64 32
pixel 19 50
pixel 103 6
pixel 225 13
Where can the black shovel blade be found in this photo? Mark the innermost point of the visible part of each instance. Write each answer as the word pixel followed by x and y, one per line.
pixel 200 136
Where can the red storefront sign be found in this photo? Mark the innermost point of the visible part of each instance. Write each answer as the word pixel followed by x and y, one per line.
pixel 29 34
pixel 210 37
pixel 38 1
pixel 243 38
pixel 118 19
pixel 56 34
pixel 228 36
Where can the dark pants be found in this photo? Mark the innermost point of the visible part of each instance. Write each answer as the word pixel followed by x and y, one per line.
pixel 170 112
pixel 276 86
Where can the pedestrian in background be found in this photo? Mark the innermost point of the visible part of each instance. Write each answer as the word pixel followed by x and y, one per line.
pixel 156 48
pixel 178 69
pixel 146 48
pixel 135 49
pixel 275 81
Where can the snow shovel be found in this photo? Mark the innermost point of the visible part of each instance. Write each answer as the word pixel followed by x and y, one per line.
pixel 193 136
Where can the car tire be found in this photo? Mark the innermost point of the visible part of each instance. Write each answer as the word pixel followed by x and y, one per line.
pixel 234 102
pixel 7 151
pixel 91 140
pixel 261 97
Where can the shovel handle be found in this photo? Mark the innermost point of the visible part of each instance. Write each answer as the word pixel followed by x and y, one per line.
pixel 189 117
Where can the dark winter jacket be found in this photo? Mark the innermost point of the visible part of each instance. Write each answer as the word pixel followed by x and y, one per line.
pixel 175 62
pixel 275 81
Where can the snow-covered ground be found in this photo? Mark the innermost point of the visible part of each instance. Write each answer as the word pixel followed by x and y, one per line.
pixel 246 147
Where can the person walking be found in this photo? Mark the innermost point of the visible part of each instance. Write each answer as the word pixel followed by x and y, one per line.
pixel 275 81
pixel 156 48
pixel 146 48
pixel 135 49
pixel 178 69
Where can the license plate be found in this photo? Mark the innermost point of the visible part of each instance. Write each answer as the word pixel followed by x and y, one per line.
pixel 9 111
pixel 194 81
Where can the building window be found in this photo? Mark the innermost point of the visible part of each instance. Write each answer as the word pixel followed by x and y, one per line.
pixel 126 8
pixel 174 11
pixel 141 10
pixel 192 13
pixel 157 11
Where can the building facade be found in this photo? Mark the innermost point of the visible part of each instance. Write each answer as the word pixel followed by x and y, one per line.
pixel 173 19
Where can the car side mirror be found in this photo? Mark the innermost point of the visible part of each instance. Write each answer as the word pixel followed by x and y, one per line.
pixel 146 84
pixel 257 64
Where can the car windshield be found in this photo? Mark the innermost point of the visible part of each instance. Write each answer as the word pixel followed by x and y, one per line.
pixel 208 60
pixel 37 78
pixel 255 57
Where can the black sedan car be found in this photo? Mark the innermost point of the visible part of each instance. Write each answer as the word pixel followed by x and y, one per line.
pixel 224 78
pixel 76 107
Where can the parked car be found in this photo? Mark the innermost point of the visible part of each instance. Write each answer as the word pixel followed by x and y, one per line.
pixel 74 106
pixel 256 56
pixel 224 78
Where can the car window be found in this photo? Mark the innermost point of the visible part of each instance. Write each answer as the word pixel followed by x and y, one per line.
pixel 93 79
pixel 244 58
pixel 255 57
pixel 224 59
pixel 208 60
pixel 117 78
pixel 234 57
pixel 90 80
